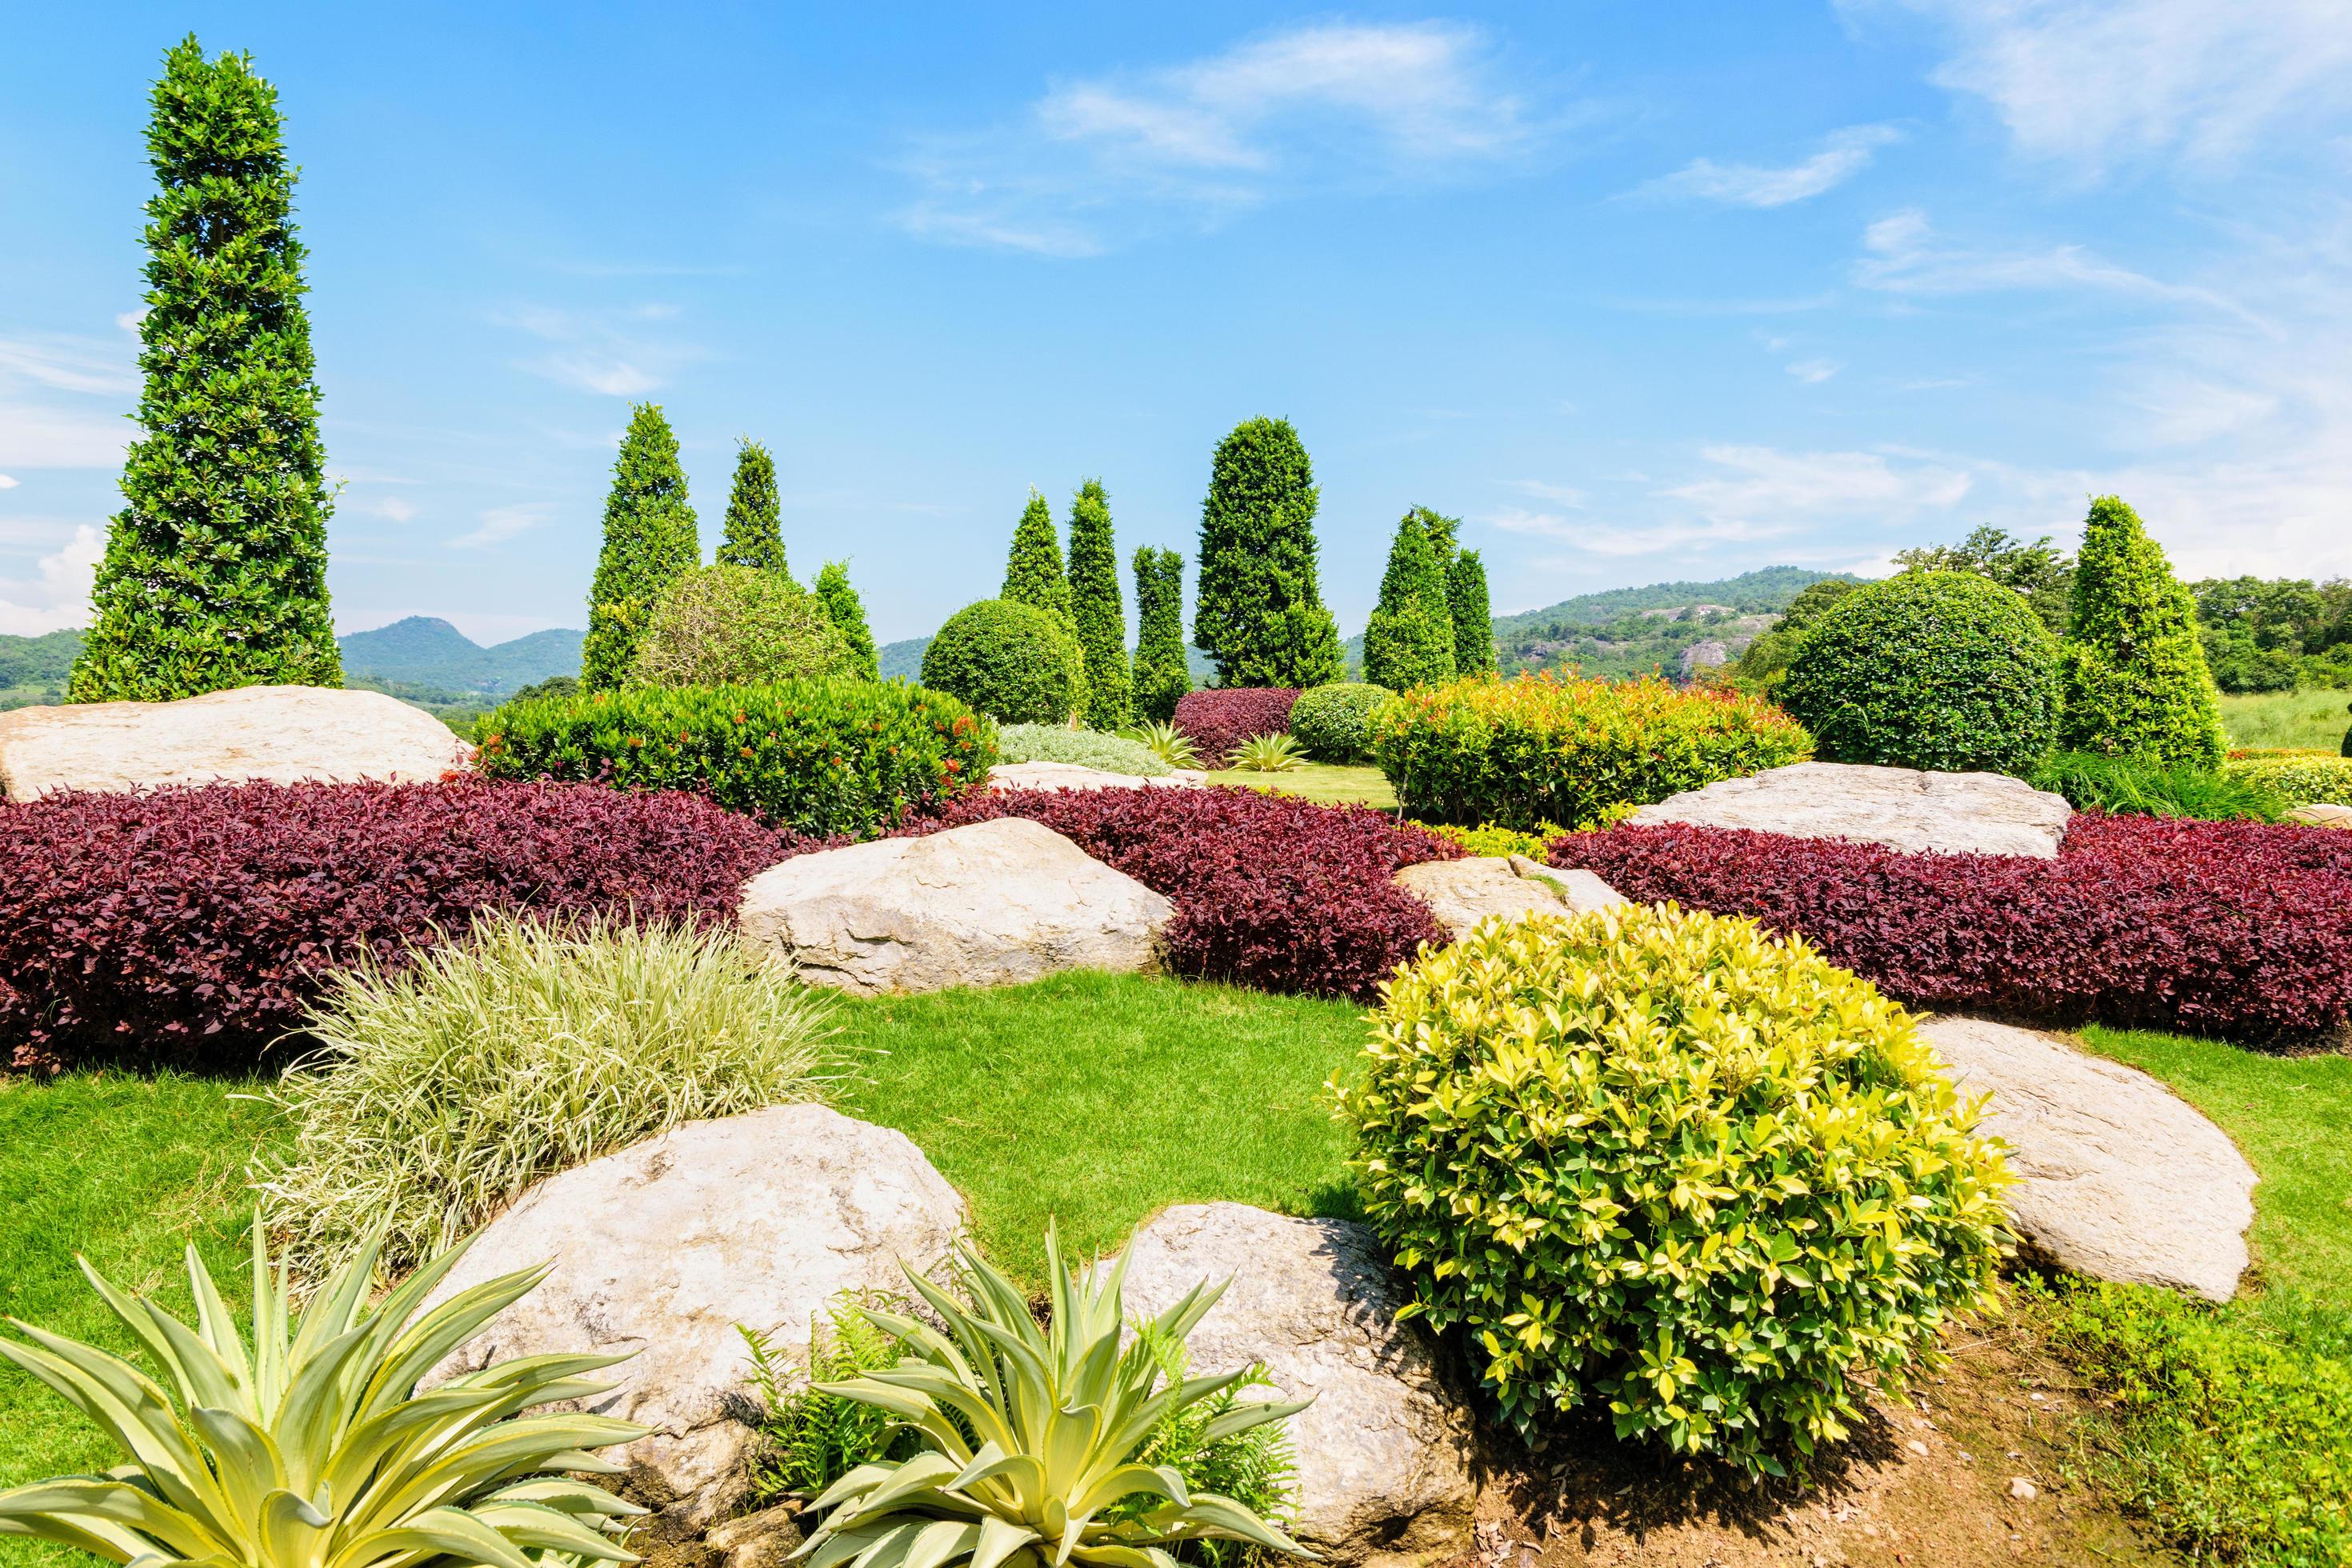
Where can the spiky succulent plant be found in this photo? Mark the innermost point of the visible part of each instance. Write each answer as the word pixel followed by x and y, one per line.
pixel 1166 741
pixel 312 1447
pixel 1030 1435
pixel 1268 754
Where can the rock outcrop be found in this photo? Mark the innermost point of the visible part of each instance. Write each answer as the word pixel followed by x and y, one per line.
pixel 1461 893
pixel 1904 808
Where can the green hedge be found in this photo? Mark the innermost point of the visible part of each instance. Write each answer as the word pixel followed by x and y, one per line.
pixel 2309 778
pixel 1548 749
pixel 1329 721
pixel 820 757
pixel 1014 662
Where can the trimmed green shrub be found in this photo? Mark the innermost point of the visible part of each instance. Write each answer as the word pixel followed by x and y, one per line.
pixel 2125 787
pixel 1033 572
pixel 755 529
pixel 1329 721
pixel 1162 674
pixel 215 569
pixel 820 757
pixel 1943 670
pixel 2136 682
pixel 1761 666
pixel 1259 614
pixel 1661 1163
pixel 649 542
pixel 446 1087
pixel 1409 640
pixel 1081 748
pixel 2312 778
pixel 1548 748
pixel 1095 612
pixel 847 611
pixel 737 626
pixel 1467 602
pixel 1016 663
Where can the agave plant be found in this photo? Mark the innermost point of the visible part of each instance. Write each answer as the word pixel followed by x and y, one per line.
pixel 311 1447
pixel 1167 742
pixel 1268 754
pixel 1030 1435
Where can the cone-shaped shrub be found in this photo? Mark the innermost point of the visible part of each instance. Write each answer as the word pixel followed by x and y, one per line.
pixel 755 530
pixel 649 540
pixel 1410 641
pixel 1259 614
pixel 1161 675
pixel 1095 610
pixel 215 569
pixel 1472 613
pixel 2135 681
pixel 848 612
pixel 1032 574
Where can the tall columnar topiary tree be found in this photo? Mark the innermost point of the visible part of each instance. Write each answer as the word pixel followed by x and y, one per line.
pixel 1410 641
pixel 847 613
pixel 215 569
pixel 1095 608
pixel 2134 677
pixel 1258 613
pixel 1162 674
pixel 1033 572
pixel 649 539
pixel 1474 613
pixel 755 530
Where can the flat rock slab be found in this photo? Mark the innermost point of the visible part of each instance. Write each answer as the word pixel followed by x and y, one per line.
pixel 1384 1455
pixel 1461 893
pixel 284 734
pixel 2117 1178
pixel 662 1249
pixel 1070 776
pixel 2322 815
pixel 996 903
pixel 1902 809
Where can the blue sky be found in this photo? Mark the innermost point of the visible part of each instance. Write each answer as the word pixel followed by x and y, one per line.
pixel 1640 291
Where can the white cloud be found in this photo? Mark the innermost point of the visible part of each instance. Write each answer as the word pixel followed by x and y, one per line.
pixel 1762 486
pixel 46 436
pixel 1813 372
pixel 1843 154
pixel 500 523
pixel 1566 495
pixel 62 398
pixel 1902 254
pixel 60 597
pixel 129 319
pixel 393 509
pixel 601 351
pixel 8 481
pixel 63 363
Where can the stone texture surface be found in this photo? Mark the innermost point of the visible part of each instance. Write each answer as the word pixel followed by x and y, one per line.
pixel 1953 814
pixel 662 1249
pixel 1070 776
pixel 287 735
pixel 2117 1178
pixel 996 903
pixel 2322 815
pixel 1461 893
pixel 1385 1453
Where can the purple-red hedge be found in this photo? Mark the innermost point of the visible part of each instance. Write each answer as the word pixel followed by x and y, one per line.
pixel 2238 928
pixel 1216 722
pixel 1271 892
pixel 191 925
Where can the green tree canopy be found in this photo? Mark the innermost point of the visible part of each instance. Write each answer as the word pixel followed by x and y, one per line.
pixel 215 569
pixel 1095 609
pixel 1474 613
pixel 2134 678
pixel 847 613
pixel 1410 640
pixel 1033 571
pixel 2040 571
pixel 755 530
pixel 650 538
pixel 1258 612
pixel 1161 675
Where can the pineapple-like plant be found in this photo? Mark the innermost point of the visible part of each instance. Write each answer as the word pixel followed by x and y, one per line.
pixel 1268 754
pixel 1167 742
pixel 1031 1435
pixel 311 1447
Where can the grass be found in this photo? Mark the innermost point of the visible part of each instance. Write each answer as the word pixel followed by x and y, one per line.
pixel 2315 718
pixel 1332 783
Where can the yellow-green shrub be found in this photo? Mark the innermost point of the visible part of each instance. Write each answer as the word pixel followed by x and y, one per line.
pixel 2299 778
pixel 1665 1162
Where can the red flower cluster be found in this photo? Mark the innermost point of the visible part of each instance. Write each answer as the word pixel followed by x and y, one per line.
pixel 1217 721
pixel 2240 929
pixel 191 925
pixel 1271 892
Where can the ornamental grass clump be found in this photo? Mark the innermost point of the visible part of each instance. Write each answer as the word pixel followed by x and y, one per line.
pixel 445 1088
pixel 1080 747
pixel 1663 1163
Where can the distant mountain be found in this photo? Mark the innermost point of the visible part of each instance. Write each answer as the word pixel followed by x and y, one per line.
pixel 1765 590
pixel 1672 629
pixel 906 658
pixel 40 661
pixel 424 651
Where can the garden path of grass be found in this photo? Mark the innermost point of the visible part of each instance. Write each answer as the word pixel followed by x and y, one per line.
pixel 1332 783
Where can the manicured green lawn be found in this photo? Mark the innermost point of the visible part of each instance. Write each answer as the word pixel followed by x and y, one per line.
pixel 1333 784
pixel 2286 718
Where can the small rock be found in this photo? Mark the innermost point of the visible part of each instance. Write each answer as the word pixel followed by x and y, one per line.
pixel 1902 809
pixel 1461 893
pixel 2323 815
pixel 1917 1447
pixel 2023 1489
pixel 763 1539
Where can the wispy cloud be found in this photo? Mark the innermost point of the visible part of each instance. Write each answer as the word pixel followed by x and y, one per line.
pixel 1902 254
pixel 1813 372
pixel 65 363
pixel 1566 495
pixel 501 523
pixel 1763 486
pixel 8 481
pixel 1843 154
pixel 609 352
pixel 58 596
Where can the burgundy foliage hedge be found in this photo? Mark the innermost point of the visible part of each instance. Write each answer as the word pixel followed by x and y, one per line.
pixel 191 925
pixel 1217 721
pixel 2241 929
pixel 1270 891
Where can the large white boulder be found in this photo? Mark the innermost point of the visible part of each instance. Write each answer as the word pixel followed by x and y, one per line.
pixel 1384 1455
pixel 1461 893
pixel 2117 1178
pixel 659 1251
pixel 1073 776
pixel 1904 808
pixel 286 734
pixel 996 903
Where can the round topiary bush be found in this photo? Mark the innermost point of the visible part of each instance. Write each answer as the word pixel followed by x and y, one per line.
pixel 1014 662
pixel 737 626
pixel 1328 721
pixel 1666 1164
pixel 1943 670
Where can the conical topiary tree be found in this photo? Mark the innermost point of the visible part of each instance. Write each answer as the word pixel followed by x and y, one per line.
pixel 755 530
pixel 649 540
pixel 847 613
pixel 1095 610
pixel 1033 572
pixel 1410 641
pixel 1161 675
pixel 1474 613
pixel 2134 679
pixel 1258 612
pixel 215 569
